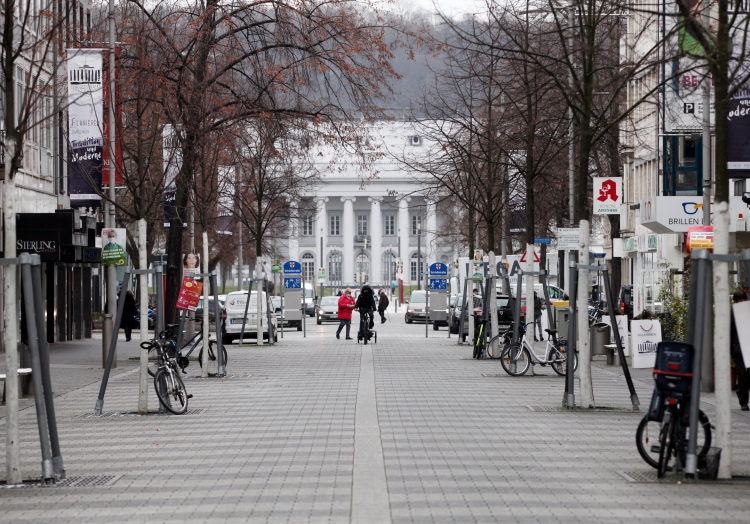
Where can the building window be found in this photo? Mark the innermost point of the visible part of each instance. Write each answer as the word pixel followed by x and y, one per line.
pixel 389 225
pixel 335 225
pixel 739 187
pixel 362 225
pixel 307 225
pixel 334 266
pixel 414 261
pixel 389 266
pixel 308 267
pixel 362 275
pixel 416 224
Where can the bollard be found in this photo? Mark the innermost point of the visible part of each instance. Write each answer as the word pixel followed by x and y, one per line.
pixel 106 336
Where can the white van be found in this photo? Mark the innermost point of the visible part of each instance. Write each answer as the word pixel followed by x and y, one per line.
pixel 309 299
pixel 234 309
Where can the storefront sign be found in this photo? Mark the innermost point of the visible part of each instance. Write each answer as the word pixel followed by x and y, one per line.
pixel 568 238
pixel 190 294
pixel 700 237
pixel 607 195
pixel 738 152
pixel 676 214
pixel 44 242
pixel 646 336
pixel 113 247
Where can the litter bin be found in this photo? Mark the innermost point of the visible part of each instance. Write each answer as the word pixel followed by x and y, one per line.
pixel 600 335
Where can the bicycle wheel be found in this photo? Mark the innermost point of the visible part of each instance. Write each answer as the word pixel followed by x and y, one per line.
pixel 171 391
pixel 647 441
pixel 560 362
pixel 522 360
pixel 495 346
pixel 213 362
pixel 666 446
pixel 704 435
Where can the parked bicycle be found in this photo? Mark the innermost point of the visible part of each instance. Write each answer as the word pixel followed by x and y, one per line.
pixel 662 434
pixel 183 361
pixel 170 389
pixel 524 354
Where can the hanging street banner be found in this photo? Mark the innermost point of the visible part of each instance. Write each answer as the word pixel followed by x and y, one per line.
pixel 113 247
pixel 227 184
pixel 190 294
pixel 118 121
pixel 568 238
pixel 172 159
pixel 607 195
pixel 85 125
pixel 738 161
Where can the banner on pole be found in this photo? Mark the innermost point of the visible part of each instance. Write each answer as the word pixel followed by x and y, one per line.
pixel 85 125
pixel 113 246
pixel 190 294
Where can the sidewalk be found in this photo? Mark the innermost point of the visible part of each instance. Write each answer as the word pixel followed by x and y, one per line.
pixel 315 429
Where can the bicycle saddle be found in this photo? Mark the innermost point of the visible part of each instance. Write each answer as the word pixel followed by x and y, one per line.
pixel 551 331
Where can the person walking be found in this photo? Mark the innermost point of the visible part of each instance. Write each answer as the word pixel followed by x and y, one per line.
pixel 382 305
pixel 743 375
pixel 366 305
pixel 346 305
pixel 537 317
pixel 128 315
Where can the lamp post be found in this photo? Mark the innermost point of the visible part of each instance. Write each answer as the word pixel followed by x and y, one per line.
pixel 419 257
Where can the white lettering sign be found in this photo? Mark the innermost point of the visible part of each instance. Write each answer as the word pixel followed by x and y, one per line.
pixel 646 336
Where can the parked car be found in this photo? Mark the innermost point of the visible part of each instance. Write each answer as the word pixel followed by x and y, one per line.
pixel 327 310
pixel 504 312
pixel 415 308
pixel 234 311
pixel 626 301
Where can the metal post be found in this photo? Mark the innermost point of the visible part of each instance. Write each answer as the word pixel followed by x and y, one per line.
pixel 113 343
pixel 222 371
pixel 181 328
pixel 516 324
pixel 302 308
pixel 569 398
pixel 419 258
pixel 494 327
pixel 461 337
pixel 159 285
pixel 32 322
pixel 247 305
pixel 699 275
pixel 550 318
pixel 426 306
pixel 618 341
pixel 143 279
pixel 36 272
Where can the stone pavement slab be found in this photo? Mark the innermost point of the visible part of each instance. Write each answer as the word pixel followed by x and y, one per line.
pixel 322 430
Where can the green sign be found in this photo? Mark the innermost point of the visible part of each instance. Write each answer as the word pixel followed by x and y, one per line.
pixel 113 250
pixel 275 266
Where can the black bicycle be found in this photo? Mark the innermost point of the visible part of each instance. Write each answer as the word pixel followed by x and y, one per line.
pixel 663 433
pixel 365 333
pixel 170 389
pixel 183 361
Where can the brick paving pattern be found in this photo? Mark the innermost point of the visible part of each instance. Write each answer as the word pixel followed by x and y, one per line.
pixel 280 441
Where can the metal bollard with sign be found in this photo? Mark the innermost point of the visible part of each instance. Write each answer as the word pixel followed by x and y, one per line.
pixel 438 286
pixel 293 286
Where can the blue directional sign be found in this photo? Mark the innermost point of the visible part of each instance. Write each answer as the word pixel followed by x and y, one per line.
pixel 292 282
pixel 439 284
pixel 292 267
pixel 542 240
pixel 438 269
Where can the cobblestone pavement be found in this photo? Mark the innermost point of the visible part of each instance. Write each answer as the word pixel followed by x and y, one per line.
pixel 315 429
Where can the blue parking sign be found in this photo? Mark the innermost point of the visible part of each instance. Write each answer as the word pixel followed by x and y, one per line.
pixel 292 282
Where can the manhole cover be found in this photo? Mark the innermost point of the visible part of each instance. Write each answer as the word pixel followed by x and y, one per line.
pixel 544 409
pixel 494 375
pixel 116 414
pixel 70 482
pixel 603 409
pixel 213 375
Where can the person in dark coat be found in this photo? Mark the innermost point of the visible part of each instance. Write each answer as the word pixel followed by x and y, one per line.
pixel 382 305
pixel 365 303
pixel 538 317
pixel 743 375
pixel 128 315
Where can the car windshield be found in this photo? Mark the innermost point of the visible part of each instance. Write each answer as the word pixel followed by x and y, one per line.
pixel 329 301
pixel 418 299
pixel 503 302
pixel 276 302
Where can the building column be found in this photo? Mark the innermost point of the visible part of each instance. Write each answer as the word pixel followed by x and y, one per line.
pixel 376 233
pixel 404 228
pixel 347 233
pixel 321 229
pixel 430 234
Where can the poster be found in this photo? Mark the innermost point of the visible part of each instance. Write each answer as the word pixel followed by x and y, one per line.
pixel 646 335
pixel 172 159
pixel 190 294
pixel 191 264
pixel 85 124
pixel 113 247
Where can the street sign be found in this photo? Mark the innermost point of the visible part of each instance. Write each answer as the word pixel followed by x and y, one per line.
pixel 567 238
pixel 543 241
pixel 292 282
pixel 292 267
pixel 439 284
pixel 438 269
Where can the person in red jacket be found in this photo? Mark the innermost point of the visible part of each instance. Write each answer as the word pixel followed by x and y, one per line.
pixel 346 305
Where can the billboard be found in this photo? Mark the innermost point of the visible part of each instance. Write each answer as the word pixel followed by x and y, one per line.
pixel 85 125
pixel 738 161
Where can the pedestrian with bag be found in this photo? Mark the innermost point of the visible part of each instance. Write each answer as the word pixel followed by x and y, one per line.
pixel 382 305
pixel 128 315
pixel 346 305
pixel 537 317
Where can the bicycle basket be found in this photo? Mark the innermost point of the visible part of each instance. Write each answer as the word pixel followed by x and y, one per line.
pixel 673 372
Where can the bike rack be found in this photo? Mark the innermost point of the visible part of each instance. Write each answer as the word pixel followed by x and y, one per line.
pixel 34 312
pixel 569 400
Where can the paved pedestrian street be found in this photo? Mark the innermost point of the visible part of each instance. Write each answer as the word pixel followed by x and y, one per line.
pixel 315 429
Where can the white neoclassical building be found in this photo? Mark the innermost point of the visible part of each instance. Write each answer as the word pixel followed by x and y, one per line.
pixel 369 215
